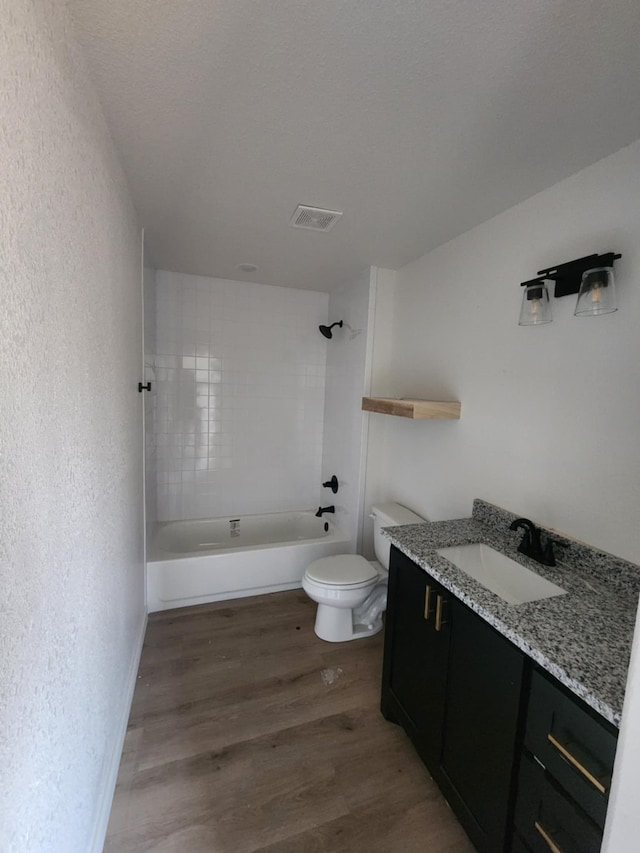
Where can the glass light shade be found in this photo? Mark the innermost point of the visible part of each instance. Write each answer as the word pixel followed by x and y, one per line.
pixel 597 293
pixel 536 308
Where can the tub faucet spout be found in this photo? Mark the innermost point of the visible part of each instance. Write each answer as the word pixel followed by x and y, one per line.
pixel 323 509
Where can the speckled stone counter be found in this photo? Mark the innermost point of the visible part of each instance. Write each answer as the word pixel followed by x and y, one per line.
pixel 583 638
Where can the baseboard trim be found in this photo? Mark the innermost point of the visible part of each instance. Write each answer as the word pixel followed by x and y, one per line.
pixel 112 764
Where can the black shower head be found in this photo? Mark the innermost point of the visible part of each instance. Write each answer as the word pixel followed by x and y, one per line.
pixel 326 330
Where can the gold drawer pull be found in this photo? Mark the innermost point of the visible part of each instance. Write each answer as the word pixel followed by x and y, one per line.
pixel 427 601
pixel 552 845
pixel 440 602
pixel 574 761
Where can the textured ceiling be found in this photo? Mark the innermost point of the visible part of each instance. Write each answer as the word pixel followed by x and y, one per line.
pixel 417 118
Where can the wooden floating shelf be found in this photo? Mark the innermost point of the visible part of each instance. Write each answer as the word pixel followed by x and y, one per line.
pixel 415 409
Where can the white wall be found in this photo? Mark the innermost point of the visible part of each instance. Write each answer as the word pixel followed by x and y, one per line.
pixel 382 384
pixel 344 422
pixel 550 414
pixel 71 574
pixel 150 397
pixel 240 376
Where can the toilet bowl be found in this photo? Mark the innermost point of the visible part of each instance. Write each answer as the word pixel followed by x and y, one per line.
pixel 351 592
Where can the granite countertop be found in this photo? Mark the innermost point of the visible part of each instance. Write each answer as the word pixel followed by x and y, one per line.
pixel 582 638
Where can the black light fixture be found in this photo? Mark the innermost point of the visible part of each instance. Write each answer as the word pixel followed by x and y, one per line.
pixel 597 293
pixel 536 308
pixel 326 330
pixel 590 277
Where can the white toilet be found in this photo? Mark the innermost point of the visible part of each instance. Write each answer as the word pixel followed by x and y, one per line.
pixel 351 592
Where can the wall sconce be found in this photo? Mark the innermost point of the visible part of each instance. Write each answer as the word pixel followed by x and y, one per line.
pixel 536 307
pixel 597 293
pixel 590 277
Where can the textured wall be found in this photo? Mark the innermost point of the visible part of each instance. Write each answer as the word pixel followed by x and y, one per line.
pixel 71 573
pixel 241 373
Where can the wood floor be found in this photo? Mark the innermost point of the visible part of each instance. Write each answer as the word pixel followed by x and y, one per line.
pixel 248 733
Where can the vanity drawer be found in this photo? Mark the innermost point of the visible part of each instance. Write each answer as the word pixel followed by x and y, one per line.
pixel 518 845
pixel 576 748
pixel 547 819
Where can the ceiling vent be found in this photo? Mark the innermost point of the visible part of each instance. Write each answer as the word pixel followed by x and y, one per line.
pixel 314 218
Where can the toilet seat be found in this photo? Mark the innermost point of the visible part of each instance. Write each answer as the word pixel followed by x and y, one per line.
pixel 346 571
pixel 337 590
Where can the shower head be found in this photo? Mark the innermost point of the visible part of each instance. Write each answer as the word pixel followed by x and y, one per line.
pixel 326 330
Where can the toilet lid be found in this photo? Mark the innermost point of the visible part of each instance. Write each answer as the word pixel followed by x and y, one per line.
pixel 344 569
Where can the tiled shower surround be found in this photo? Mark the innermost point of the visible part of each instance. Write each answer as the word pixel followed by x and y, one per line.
pixel 240 373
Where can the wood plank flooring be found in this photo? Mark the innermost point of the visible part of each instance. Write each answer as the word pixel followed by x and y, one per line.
pixel 247 733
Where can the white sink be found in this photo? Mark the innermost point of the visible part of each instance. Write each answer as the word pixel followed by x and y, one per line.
pixel 503 576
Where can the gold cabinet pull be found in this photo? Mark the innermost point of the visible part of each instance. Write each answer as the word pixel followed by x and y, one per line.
pixel 552 845
pixel 440 602
pixel 577 764
pixel 427 601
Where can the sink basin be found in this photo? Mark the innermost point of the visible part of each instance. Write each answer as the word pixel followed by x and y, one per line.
pixel 499 574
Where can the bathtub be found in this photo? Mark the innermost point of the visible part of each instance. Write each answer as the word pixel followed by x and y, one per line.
pixel 194 562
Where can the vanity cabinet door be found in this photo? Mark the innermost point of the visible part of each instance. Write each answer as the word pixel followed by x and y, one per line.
pixel 416 655
pixel 483 706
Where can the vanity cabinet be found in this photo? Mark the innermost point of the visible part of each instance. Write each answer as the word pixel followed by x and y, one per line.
pixel 455 686
pixel 525 765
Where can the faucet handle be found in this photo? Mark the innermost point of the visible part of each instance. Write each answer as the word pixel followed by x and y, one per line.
pixel 548 554
pixel 548 557
pixel 525 544
pixel 331 484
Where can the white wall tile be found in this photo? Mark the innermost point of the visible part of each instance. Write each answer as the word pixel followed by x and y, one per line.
pixel 240 397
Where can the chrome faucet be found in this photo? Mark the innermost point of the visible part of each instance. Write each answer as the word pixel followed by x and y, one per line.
pixel 531 545
pixel 323 509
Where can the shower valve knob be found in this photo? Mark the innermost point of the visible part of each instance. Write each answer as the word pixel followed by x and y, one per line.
pixel 332 484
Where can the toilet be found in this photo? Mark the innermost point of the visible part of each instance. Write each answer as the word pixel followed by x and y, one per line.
pixel 351 592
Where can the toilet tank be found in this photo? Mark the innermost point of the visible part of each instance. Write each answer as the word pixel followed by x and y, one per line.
pixel 389 515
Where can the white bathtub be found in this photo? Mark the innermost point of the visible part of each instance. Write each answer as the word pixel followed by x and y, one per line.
pixel 193 562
